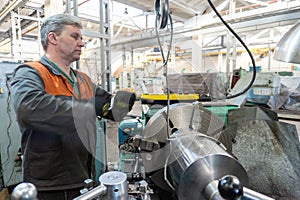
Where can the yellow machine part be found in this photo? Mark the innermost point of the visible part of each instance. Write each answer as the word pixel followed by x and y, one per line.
pixel 162 98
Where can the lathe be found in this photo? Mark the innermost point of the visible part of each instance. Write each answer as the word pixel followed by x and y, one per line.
pixel 183 155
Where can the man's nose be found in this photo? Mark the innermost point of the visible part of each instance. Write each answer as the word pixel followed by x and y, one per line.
pixel 81 43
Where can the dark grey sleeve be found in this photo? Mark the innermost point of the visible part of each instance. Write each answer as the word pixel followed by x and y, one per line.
pixel 37 110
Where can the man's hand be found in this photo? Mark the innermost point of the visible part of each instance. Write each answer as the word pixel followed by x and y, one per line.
pixel 122 103
pixel 118 106
pixel 114 107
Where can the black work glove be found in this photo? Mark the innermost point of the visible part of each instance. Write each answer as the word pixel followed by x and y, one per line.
pixel 122 104
pixel 118 106
pixel 102 102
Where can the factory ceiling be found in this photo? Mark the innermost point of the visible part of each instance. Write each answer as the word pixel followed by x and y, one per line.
pixel 125 23
pixel 185 9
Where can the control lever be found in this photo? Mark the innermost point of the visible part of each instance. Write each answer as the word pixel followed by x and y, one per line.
pixel 230 188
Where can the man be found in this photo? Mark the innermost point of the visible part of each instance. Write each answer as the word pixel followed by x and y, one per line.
pixel 56 108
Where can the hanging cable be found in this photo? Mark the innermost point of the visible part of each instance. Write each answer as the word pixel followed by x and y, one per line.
pixel 163 16
pixel 8 111
pixel 6 162
pixel 244 45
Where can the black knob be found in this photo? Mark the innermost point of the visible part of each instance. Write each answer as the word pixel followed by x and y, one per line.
pixel 230 188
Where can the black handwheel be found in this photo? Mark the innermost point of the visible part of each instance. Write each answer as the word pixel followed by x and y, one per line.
pixel 230 188
pixel 162 12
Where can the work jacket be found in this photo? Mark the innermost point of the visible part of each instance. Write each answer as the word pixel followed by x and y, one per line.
pixel 58 125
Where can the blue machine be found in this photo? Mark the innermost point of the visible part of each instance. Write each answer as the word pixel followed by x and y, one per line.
pixel 129 127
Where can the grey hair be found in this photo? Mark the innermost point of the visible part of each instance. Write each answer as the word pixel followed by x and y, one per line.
pixel 56 24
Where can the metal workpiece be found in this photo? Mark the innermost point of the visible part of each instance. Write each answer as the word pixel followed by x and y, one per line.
pixel 24 191
pixel 197 160
pixel 113 186
pixel 182 116
pixel 187 118
pixel 116 184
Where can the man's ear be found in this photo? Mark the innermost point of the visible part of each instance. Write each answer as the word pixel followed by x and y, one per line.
pixel 52 38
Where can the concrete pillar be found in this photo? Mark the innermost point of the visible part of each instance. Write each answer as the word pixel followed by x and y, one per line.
pixel 220 62
pixel 53 7
pixel 131 69
pixel 197 53
pixel 231 53
pixel 124 73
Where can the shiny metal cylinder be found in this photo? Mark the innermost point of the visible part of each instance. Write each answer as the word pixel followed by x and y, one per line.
pixel 196 160
pixel 116 185
pixel 92 194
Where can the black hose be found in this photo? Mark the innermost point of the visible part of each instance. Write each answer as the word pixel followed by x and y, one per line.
pixel 244 45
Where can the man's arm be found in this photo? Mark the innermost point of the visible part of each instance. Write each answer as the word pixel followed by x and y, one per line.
pixel 38 110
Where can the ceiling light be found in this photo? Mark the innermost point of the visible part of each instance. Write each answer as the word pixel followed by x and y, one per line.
pixel 126 11
pixel 288 48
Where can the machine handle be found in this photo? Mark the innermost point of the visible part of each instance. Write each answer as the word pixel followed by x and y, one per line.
pixel 24 191
pixel 94 193
pixel 230 188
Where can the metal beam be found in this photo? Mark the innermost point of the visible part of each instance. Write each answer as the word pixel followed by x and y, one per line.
pixel 217 28
pixel 12 5
pixel 183 6
pixel 258 2
pixel 94 34
pixel 27 17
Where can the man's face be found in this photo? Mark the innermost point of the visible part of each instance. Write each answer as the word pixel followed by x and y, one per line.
pixel 69 43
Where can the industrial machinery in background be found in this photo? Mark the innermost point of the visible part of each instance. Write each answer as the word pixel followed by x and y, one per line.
pixel 266 85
